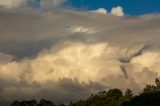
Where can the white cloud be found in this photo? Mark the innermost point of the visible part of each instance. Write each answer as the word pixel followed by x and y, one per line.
pixel 118 11
pixel 81 29
pixel 100 11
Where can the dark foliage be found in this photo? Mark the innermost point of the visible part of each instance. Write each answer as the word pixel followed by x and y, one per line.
pixel 110 98
pixel 33 103
pixel 145 99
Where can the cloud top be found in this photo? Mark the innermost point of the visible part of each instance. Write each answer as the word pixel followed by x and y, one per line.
pixel 117 11
pixel 101 11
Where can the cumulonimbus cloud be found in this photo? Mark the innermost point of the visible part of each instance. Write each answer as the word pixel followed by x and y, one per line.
pixel 41 54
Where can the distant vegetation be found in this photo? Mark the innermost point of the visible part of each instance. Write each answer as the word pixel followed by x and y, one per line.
pixel 150 96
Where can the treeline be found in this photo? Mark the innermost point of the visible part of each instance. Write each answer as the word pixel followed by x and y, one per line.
pixel 150 96
pixel 42 102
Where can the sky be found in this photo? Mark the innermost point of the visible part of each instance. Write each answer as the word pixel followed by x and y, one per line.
pixel 131 7
pixel 50 45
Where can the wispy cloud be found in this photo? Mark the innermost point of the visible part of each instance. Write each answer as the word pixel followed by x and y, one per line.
pixel 81 29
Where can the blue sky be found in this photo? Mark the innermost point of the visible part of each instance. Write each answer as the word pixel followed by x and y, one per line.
pixel 131 7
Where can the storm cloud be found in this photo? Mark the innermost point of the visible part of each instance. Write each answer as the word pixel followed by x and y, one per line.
pixel 76 53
